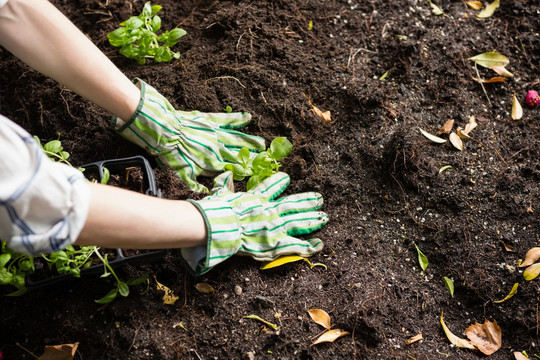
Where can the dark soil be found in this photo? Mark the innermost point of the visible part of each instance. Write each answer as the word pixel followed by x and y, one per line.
pixel 379 177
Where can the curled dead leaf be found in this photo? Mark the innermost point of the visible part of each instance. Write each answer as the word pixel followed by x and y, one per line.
pixel 456 141
pixel 461 133
pixel 321 317
pixel 531 257
pixel 204 288
pixel 59 352
pixel 414 339
pixel 471 125
pixel 169 297
pixel 326 116
pixel 330 336
pixel 510 294
pixel 459 342
pixel 517 111
pixel 487 337
pixel 447 127
pixel 501 70
pixel 431 137
pixel 495 79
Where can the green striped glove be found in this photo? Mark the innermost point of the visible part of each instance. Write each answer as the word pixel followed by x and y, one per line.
pixel 255 223
pixel 191 143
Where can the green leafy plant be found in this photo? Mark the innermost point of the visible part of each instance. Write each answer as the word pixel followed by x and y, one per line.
pixel 265 164
pixel 14 267
pixel 138 40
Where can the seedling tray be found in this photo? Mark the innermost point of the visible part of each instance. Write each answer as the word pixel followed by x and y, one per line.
pixel 96 171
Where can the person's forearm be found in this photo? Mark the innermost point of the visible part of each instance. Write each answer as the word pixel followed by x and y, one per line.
pixel 41 36
pixel 120 218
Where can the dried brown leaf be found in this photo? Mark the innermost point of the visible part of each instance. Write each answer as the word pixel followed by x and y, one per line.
pixel 461 133
pixel 495 79
pixel 519 356
pixel 487 337
pixel 414 339
pixel 501 70
pixel 432 137
pixel 531 257
pixel 330 336
pixel 204 288
pixel 517 111
pixel 456 141
pixel 471 125
pixel 321 317
pixel 59 352
pixel 326 116
pixel 447 127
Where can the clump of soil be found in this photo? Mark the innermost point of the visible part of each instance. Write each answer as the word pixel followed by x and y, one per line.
pixel 379 177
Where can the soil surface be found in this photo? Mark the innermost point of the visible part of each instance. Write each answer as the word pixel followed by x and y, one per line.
pixel 380 178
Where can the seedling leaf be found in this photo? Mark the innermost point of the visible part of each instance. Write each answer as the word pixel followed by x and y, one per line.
pixel 459 342
pixel 449 285
pixel 431 137
pixel 531 257
pixel 510 294
pixel 487 337
pixel 321 317
pixel 488 10
pixel 111 295
pixel 456 141
pixel 280 148
pixel 532 272
pixel 422 259
pixel 330 336
pixel 255 317
pixel 490 59
pixel 517 111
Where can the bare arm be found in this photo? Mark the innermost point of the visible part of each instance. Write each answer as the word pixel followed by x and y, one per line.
pixel 120 218
pixel 41 36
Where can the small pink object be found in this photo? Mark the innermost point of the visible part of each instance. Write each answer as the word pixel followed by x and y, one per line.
pixel 532 99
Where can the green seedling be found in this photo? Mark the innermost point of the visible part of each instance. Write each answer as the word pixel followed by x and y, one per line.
pixel 70 260
pixel 265 164
pixel 54 150
pixel 138 40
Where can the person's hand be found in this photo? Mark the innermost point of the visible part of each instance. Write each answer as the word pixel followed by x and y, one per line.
pixel 255 223
pixel 191 143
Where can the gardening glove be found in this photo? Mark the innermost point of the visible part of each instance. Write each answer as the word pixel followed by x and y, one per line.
pixel 191 143
pixel 255 223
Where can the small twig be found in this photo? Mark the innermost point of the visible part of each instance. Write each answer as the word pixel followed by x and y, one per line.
pixel 67 105
pixel 28 351
pixel 481 84
pixel 134 336
pixel 225 77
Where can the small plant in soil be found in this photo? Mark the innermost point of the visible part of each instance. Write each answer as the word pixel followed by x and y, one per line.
pixel 265 164
pixel 137 38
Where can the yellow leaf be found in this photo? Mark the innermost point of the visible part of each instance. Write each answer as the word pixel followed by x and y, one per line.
pixel 490 59
pixel 255 317
pixel 456 141
pixel 435 9
pixel 432 137
pixel 283 260
pixel 510 294
pixel 476 5
pixel 501 70
pixel 532 272
pixel 531 257
pixel 204 288
pixel 444 168
pixel 459 342
pixel 447 127
pixel 168 298
pixel 59 352
pixel 487 337
pixel 488 10
pixel 517 111
pixel 320 317
pixel 414 339
pixel 330 336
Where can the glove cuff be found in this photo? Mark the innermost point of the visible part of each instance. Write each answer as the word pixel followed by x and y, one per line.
pixel 224 237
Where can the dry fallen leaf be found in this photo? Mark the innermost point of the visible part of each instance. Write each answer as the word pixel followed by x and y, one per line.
pixel 282 261
pixel 471 125
pixel 204 288
pixel 495 79
pixel 517 111
pixel 532 272
pixel 321 317
pixel 414 339
pixel 459 342
pixel 447 127
pixel 531 257
pixel 501 70
pixel 487 337
pixel 324 115
pixel 461 133
pixel 490 59
pixel 59 352
pixel 456 141
pixel 488 10
pixel 520 356
pixel 432 137
pixel 168 298
pixel 476 5
pixel 258 318
pixel 330 336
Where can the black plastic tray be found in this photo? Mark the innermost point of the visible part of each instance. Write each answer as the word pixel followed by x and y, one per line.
pixel 115 166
